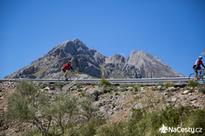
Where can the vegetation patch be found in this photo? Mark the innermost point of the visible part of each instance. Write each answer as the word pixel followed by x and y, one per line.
pixel 50 114
pixel 168 84
pixel 148 123
pixel 193 83
pixel 202 90
pixel 64 114
pixel 104 82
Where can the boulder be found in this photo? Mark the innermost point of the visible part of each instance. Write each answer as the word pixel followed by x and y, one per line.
pixel 172 89
pixel 186 92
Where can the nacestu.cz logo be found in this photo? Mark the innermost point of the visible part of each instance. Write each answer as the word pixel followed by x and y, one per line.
pixel 165 129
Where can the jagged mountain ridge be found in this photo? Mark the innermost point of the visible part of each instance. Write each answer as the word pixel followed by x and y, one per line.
pixel 89 61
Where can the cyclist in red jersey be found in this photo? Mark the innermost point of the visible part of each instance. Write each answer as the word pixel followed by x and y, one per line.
pixel 66 68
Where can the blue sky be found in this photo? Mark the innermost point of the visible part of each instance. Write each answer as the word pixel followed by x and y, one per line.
pixel 173 30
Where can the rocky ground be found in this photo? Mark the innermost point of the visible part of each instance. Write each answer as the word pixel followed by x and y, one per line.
pixel 115 102
pixel 6 89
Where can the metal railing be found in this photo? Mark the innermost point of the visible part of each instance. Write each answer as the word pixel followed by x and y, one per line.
pixel 174 80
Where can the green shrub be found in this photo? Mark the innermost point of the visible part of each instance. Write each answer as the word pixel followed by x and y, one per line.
pixel 197 120
pixel 136 88
pixel 173 116
pixel 193 83
pixel 116 129
pixel 83 94
pixel 61 107
pixel 168 84
pixel 90 127
pixel 104 82
pixel 26 89
pixel 89 110
pixel 59 85
pixel 21 105
pixel 151 100
pixel 31 105
pixel 28 105
pixel 32 132
pixel 202 90
pixel 18 108
pixel 137 123
pixel 73 131
pixel 148 123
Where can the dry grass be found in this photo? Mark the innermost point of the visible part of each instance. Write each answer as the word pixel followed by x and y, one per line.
pixel 151 100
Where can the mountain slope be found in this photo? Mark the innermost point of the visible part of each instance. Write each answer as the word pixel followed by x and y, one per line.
pixel 93 63
pixel 149 66
pixel 85 60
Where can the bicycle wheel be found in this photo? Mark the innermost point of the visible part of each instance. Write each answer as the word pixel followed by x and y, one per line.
pixel 192 76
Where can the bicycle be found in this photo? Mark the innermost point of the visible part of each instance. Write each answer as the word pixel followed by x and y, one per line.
pixel 200 77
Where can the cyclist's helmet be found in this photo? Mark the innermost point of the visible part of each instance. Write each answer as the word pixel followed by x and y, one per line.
pixel 200 57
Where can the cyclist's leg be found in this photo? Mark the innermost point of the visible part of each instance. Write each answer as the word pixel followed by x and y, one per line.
pixel 196 73
pixel 70 74
pixel 66 75
pixel 199 73
pixel 203 75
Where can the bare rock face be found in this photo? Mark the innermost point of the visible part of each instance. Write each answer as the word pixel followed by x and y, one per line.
pixel 137 65
pixel 149 66
pixel 116 59
pixel 116 67
pixel 116 70
pixel 89 61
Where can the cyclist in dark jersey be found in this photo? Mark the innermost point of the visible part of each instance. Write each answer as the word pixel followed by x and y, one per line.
pixel 198 64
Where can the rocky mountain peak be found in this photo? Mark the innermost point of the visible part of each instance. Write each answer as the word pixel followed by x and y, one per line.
pixel 71 47
pixel 149 66
pixel 89 61
pixel 115 59
pixel 139 58
pixel 134 57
